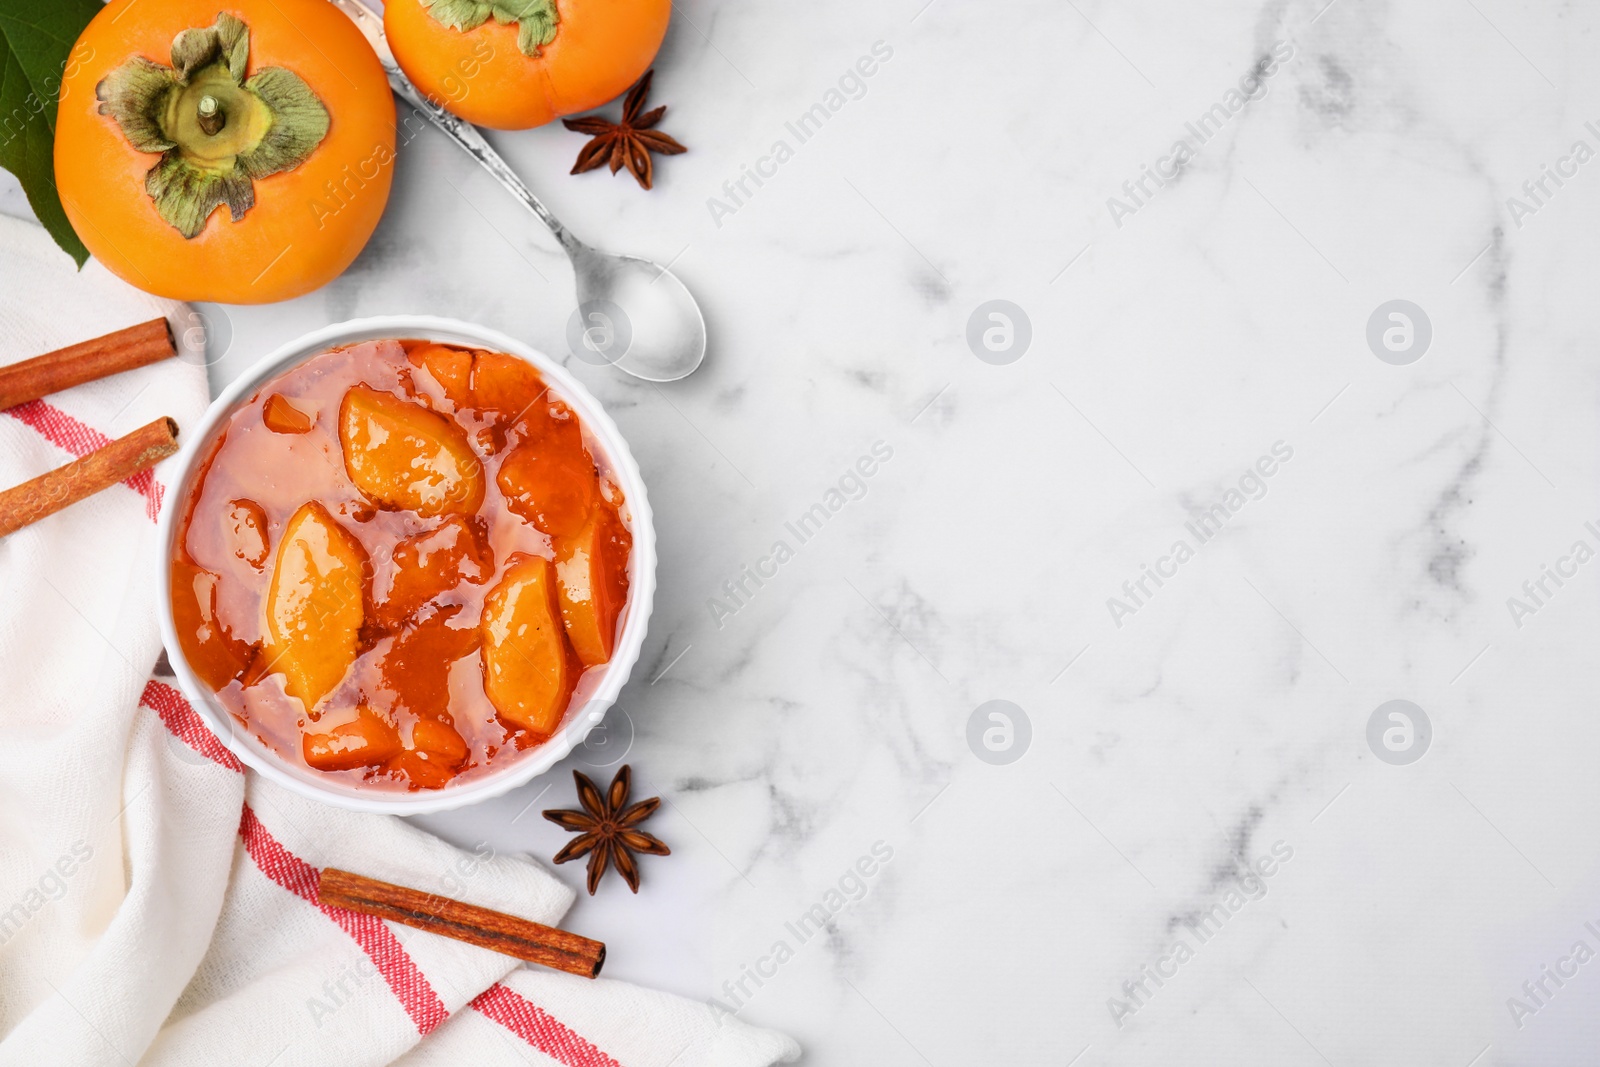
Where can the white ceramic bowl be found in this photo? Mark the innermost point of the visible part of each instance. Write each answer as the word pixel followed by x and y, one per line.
pixel 598 688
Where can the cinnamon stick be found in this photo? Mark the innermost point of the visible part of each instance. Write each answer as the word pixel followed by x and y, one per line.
pixel 136 346
pixel 100 469
pixel 493 930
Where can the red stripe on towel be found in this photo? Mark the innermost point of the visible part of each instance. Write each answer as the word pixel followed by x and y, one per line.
pixel 186 725
pixel 499 1003
pixel 291 872
pixel 539 1028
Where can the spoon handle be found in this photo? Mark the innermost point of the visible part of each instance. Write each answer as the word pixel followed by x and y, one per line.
pixel 463 133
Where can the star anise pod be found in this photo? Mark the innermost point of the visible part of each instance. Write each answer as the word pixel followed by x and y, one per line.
pixel 626 143
pixel 606 828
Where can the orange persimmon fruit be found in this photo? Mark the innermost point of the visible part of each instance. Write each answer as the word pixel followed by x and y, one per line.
pixel 240 153
pixel 554 60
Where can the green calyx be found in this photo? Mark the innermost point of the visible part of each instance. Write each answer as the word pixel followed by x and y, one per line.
pixel 217 131
pixel 535 19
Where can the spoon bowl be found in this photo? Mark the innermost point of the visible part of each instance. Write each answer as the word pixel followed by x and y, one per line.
pixel 634 315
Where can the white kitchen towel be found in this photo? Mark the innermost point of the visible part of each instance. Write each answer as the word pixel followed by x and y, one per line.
pixel 157 902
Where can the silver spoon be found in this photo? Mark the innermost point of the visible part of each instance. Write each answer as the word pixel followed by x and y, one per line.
pixel 633 314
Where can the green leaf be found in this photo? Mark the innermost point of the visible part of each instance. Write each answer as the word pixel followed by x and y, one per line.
pixel 534 30
pixel 35 40
pixel 536 20
pixel 134 94
pixel 299 123
pixel 459 14
pixel 186 196
pixel 203 45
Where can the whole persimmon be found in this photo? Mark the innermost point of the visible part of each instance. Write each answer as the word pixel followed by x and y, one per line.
pixel 512 64
pixel 241 155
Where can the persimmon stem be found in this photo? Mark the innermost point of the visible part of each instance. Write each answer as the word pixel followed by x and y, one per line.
pixel 212 118
pixel 216 130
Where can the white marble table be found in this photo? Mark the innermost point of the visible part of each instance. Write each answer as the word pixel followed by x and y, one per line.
pixel 1182 732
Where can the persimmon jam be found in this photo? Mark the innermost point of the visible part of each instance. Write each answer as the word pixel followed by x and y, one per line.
pixel 397 560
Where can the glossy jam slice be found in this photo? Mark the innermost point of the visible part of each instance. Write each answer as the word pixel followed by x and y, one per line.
pixel 401 455
pixel 281 415
pixel 591 595
pixel 505 384
pixel 368 740
pixel 484 381
pixel 503 393
pixel 451 369
pixel 524 653
pixel 414 674
pixel 438 742
pixel 549 483
pixel 214 653
pixel 435 754
pixel 315 605
pixel 430 564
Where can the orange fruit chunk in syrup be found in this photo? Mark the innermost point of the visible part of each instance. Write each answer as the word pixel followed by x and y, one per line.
pixel 524 653
pixel 403 456
pixel 315 604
